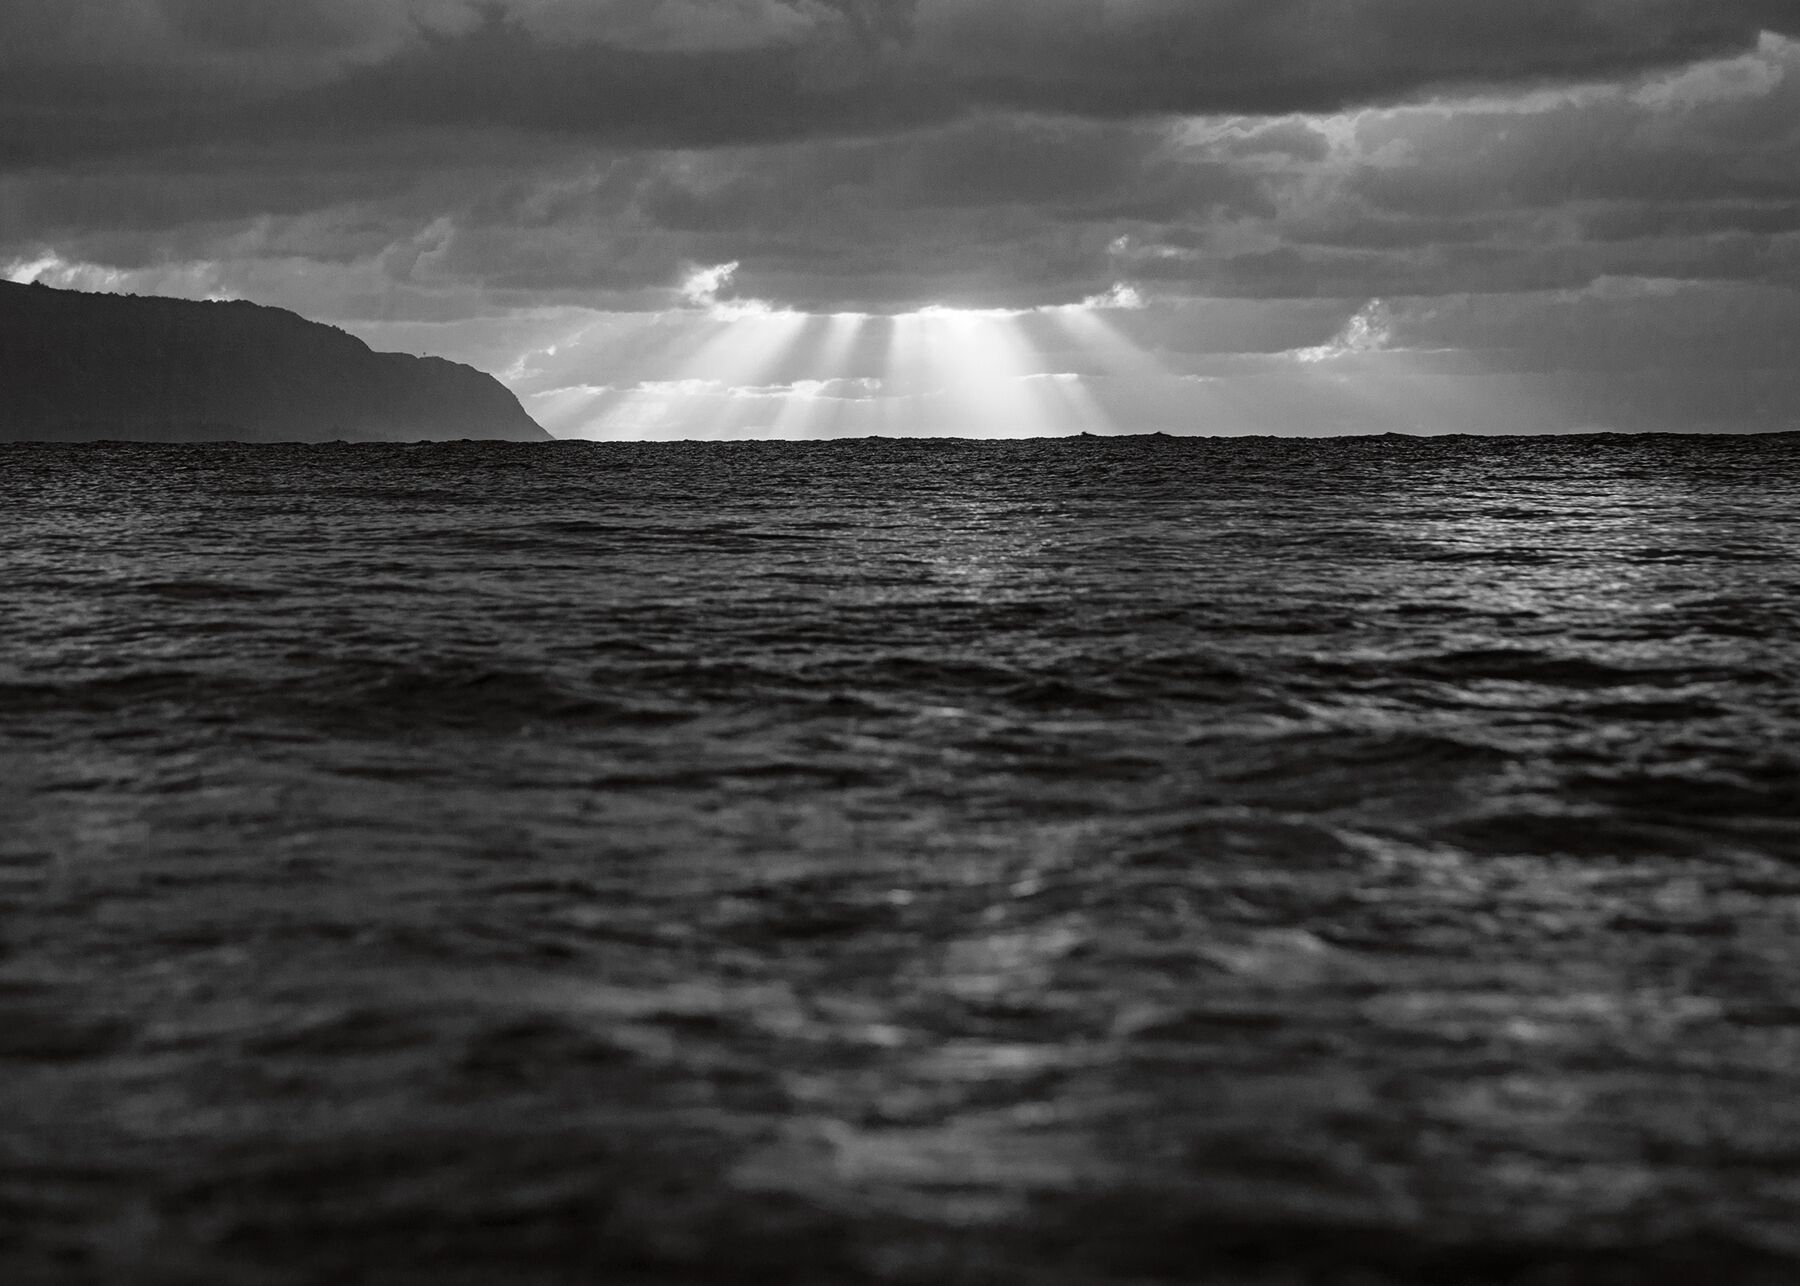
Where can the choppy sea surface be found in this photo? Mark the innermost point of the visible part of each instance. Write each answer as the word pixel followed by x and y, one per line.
pixel 1083 861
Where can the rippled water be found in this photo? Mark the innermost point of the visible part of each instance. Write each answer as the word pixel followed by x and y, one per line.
pixel 1074 861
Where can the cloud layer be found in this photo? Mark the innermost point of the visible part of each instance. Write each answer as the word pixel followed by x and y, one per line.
pixel 122 74
pixel 425 162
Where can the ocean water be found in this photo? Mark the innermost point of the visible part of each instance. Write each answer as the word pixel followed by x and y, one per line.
pixel 1082 861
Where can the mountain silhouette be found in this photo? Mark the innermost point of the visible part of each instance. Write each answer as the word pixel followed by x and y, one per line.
pixel 82 367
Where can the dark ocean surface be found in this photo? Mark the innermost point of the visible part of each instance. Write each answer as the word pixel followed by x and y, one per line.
pixel 1085 861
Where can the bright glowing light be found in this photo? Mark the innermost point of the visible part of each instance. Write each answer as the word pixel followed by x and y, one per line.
pixel 972 373
pixel 963 316
pixel 813 416
pixel 23 272
pixel 191 280
pixel 733 350
pixel 740 309
pixel 1114 361
pixel 729 367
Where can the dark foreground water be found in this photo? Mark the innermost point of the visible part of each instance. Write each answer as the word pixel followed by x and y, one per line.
pixel 1077 862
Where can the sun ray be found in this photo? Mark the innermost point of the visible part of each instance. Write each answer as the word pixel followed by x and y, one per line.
pixel 1090 331
pixel 746 368
pixel 566 411
pixel 977 373
pixel 808 412
pixel 717 351
pixel 744 354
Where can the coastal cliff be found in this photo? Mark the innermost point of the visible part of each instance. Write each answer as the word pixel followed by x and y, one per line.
pixel 82 367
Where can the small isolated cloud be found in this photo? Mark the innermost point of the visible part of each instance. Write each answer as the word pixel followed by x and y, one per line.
pixel 1370 331
pixel 1122 297
pixel 703 285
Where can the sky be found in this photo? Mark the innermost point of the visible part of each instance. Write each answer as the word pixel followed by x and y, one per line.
pixel 810 218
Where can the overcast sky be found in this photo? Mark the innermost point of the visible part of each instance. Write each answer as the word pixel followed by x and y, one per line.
pixel 722 217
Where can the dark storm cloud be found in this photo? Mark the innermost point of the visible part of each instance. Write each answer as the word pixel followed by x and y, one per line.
pixel 1141 57
pixel 1276 56
pixel 235 25
pixel 732 71
pixel 873 154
